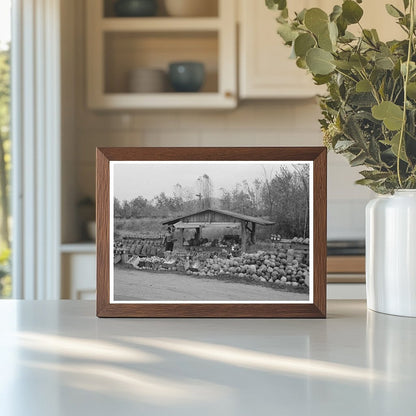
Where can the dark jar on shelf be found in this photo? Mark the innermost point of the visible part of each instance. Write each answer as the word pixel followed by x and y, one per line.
pixel 135 8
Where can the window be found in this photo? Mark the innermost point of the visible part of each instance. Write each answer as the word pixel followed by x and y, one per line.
pixel 5 147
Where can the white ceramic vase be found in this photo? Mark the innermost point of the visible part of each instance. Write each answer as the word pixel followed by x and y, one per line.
pixel 391 253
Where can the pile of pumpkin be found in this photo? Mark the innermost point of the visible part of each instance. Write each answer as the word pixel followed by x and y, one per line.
pixel 284 267
pixel 145 247
pixel 281 267
pixel 300 240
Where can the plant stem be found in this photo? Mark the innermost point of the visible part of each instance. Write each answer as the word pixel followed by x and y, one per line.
pixel 346 75
pixel 373 88
pixel 406 80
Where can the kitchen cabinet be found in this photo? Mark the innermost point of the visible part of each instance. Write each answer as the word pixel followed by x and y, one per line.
pixel 265 69
pixel 118 45
pixel 78 262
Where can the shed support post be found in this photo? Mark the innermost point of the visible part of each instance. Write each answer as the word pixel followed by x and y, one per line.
pixel 181 237
pixel 253 233
pixel 243 237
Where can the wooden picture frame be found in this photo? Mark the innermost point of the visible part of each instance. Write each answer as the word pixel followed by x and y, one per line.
pixel 315 307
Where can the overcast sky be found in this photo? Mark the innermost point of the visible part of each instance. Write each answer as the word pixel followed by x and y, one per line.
pixel 150 179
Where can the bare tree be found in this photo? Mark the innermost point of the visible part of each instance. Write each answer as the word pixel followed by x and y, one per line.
pixel 205 191
pixel 268 192
pixel 178 191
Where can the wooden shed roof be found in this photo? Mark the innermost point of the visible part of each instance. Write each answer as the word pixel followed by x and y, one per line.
pixel 230 214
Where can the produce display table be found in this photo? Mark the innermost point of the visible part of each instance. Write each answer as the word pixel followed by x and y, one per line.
pixel 57 358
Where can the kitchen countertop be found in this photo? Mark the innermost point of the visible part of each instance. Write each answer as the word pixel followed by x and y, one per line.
pixel 57 358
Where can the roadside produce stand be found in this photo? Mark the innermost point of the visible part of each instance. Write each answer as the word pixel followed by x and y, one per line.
pixel 219 218
pixel 282 263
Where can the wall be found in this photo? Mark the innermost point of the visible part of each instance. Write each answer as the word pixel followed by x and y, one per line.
pixel 254 123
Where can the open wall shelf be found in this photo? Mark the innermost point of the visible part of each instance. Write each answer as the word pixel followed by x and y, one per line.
pixel 126 51
pixel 117 45
pixel 210 9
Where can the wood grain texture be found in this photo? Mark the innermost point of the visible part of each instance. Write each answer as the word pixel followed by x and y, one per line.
pixel 103 231
pixel 317 309
pixel 345 278
pixel 346 264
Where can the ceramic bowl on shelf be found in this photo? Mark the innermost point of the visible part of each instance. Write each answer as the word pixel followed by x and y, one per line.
pixel 147 81
pixel 191 8
pixel 92 230
pixel 135 8
pixel 186 76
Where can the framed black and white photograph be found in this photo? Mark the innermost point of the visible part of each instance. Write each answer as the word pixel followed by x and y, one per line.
pixel 224 232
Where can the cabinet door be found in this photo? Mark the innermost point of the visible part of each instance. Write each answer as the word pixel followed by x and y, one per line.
pixel 376 17
pixel 265 68
pixel 78 276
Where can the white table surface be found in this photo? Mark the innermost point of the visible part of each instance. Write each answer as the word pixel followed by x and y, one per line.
pixel 57 358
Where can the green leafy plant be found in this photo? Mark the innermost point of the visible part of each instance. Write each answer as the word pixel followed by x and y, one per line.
pixel 5 280
pixel 369 112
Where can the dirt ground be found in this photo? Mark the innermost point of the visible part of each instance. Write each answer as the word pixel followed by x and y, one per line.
pixel 130 285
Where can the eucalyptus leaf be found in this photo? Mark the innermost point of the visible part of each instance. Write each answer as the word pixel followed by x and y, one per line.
pixel 287 33
pixel 382 89
pixel 363 86
pixel 405 21
pixel 358 61
pixel 362 112
pixel 385 50
pixel 354 132
pixel 396 70
pixel 345 65
pixel 342 25
pixel 395 144
pixel 412 67
pixel 276 4
pixel 336 12
pixel 388 112
pixel 374 175
pixel 320 61
pixel 303 43
pixel 411 90
pixel 375 35
pixel 333 32
pixel 365 182
pixel 325 42
pixel 301 15
pixel 361 100
pixel 347 37
pixel 393 11
pixel 377 75
pixel 358 160
pixel 385 62
pixel 351 11
pixel 321 79
pixel 343 145
pixel 369 36
pixel 301 63
pixel 411 117
pixel 374 150
pixel 281 19
pixel 316 20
